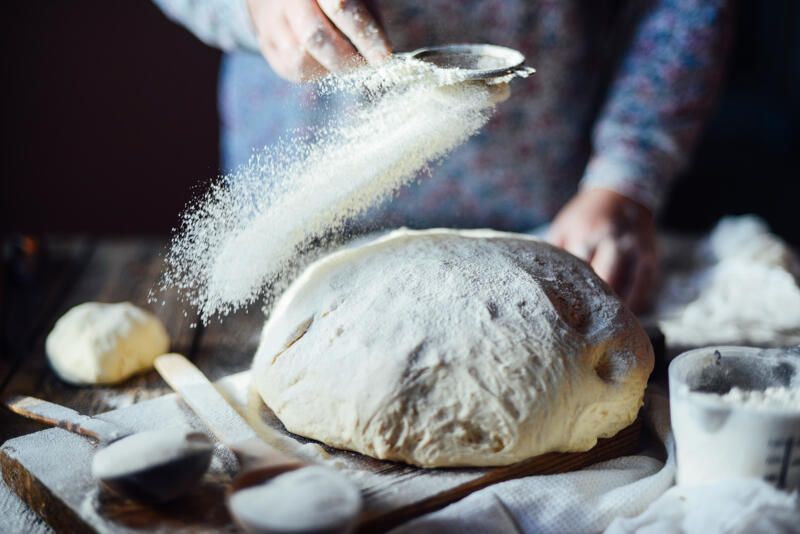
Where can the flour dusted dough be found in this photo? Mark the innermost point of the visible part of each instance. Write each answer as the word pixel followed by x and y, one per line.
pixel 96 343
pixel 445 348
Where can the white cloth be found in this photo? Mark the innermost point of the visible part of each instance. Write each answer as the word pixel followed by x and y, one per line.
pixel 735 506
pixel 636 493
pixel 629 494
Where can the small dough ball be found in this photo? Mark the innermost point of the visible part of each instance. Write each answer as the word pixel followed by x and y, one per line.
pixel 98 343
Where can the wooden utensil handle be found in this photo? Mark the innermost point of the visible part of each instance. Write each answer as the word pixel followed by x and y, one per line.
pixel 53 414
pixel 225 422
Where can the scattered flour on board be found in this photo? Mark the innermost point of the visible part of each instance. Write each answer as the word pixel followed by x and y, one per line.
pixel 249 228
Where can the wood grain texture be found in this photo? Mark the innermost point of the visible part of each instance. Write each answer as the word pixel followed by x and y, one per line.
pixel 50 468
pixel 51 472
pixel 34 283
pixel 17 517
pixel 72 271
pixel 67 272
pixel 227 345
pixel 624 443
pixel 116 271
pixel 66 495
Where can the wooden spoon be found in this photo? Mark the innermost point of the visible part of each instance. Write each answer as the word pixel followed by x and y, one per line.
pixel 260 464
pixel 151 466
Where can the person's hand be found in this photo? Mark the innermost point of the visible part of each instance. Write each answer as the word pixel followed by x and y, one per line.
pixel 616 236
pixel 305 39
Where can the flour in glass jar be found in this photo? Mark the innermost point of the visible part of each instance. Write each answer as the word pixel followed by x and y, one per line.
pixel 250 228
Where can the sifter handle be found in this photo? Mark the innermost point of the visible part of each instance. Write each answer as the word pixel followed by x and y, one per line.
pixel 523 71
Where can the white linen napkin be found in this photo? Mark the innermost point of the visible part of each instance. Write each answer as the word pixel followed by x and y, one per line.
pixel 629 494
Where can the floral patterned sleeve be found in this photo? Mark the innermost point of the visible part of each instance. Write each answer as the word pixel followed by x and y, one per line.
pixel 222 23
pixel 660 98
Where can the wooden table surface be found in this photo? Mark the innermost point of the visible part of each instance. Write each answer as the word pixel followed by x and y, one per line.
pixel 37 290
pixel 66 272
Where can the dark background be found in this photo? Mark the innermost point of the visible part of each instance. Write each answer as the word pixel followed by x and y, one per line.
pixel 109 121
pixel 109 116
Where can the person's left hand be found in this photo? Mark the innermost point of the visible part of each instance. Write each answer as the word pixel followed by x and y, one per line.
pixel 616 236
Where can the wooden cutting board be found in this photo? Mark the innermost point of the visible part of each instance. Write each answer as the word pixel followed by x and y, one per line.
pixel 50 471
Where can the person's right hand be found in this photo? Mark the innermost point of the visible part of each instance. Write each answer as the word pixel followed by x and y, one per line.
pixel 305 39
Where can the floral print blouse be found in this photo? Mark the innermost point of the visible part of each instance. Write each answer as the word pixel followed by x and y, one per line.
pixel 621 93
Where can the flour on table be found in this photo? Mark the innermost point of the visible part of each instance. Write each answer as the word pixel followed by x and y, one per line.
pixel 741 285
pixel 250 228
pixel 445 348
pixel 98 343
pixel 114 400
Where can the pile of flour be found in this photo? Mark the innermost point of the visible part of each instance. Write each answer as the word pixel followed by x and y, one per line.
pixel 739 286
pixel 251 226
pixel 772 397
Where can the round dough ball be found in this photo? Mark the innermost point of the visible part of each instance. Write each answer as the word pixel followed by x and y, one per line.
pixel 453 348
pixel 97 343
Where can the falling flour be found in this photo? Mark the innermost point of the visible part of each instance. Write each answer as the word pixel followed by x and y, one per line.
pixel 251 226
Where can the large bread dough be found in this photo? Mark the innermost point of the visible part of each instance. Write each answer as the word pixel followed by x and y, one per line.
pixel 96 343
pixel 445 348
